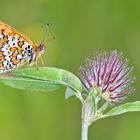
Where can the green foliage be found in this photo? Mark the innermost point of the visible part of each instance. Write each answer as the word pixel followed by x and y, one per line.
pixel 42 79
pixel 124 108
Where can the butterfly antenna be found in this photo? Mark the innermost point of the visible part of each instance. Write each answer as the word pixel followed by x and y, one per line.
pixel 51 38
pixel 45 33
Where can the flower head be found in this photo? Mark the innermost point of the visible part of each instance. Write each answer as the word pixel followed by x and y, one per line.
pixel 109 74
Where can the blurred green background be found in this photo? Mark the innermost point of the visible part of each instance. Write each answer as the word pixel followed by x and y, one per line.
pixel 82 27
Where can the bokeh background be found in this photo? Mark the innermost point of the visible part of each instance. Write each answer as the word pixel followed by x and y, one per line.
pixel 82 27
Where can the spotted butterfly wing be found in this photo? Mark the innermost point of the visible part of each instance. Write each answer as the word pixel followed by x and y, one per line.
pixel 15 49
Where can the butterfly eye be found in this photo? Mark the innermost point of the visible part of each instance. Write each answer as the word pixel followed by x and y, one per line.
pixel 40 47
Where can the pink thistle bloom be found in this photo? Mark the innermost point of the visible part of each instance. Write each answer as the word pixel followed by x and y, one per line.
pixel 109 74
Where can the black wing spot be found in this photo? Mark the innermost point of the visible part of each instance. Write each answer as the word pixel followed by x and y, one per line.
pixel 29 51
pixel 29 46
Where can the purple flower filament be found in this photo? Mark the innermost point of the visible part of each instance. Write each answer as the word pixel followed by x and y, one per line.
pixel 109 73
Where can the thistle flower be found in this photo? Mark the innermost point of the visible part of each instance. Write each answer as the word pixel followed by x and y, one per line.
pixel 109 74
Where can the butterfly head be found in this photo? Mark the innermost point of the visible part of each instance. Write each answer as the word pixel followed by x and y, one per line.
pixel 39 49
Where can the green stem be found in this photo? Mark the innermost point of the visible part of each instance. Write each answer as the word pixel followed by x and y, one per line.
pixel 84 131
pixel 80 97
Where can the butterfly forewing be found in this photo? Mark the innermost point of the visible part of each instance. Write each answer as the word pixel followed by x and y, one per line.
pixel 15 48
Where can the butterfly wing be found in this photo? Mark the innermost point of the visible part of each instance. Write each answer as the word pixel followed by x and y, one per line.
pixel 15 48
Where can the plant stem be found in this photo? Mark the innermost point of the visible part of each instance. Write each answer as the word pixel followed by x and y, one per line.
pixel 84 131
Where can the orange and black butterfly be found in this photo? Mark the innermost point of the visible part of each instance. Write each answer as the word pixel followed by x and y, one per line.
pixel 16 49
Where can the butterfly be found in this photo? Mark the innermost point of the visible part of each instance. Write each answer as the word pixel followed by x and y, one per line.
pixel 16 49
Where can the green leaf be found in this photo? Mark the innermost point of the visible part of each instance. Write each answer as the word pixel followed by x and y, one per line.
pixel 124 108
pixel 28 83
pixel 43 78
pixel 69 93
